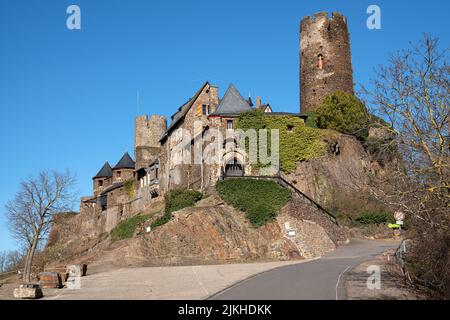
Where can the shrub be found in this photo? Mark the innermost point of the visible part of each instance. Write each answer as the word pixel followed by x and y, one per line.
pixel 163 220
pixel 179 199
pixel 260 200
pixel 343 112
pixel 298 142
pixel 370 217
pixel 126 228
pixel 311 121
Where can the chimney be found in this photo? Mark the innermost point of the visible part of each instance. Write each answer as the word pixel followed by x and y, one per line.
pixel 258 102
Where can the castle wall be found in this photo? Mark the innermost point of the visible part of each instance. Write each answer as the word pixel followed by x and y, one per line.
pixel 100 184
pixel 328 37
pixel 186 176
pixel 125 174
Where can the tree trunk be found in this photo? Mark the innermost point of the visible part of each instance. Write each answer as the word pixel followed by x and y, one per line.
pixel 29 260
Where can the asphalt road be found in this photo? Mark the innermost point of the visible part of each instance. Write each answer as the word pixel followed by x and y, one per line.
pixel 321 279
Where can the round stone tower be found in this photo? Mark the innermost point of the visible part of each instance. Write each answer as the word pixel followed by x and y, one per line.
pixel 148 132
pixel 325 59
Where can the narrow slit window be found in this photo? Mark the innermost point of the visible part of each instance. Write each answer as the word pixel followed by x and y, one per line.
pixel 320 61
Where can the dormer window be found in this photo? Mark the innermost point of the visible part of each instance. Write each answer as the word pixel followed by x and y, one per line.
pixel 320 61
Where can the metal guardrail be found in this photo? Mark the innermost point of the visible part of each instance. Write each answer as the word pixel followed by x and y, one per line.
pixel 283 182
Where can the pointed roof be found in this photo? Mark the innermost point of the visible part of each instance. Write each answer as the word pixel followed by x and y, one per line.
pixel 105 171
pixel 125 163
pixel 183 110
pixel 232 103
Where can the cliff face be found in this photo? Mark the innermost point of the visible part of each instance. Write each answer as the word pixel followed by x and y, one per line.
pixel 345 168
pixel 213 232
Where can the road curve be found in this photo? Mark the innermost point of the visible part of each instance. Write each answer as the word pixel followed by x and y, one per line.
pixel 321 279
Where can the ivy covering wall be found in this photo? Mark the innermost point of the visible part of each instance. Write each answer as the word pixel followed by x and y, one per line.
pixel 298 142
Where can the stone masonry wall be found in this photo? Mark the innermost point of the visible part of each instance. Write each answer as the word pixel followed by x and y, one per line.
pixel 328 37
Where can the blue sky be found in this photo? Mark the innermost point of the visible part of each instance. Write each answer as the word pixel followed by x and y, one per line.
pixel 68 98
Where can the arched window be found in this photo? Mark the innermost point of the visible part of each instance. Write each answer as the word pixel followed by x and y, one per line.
pixel 320 61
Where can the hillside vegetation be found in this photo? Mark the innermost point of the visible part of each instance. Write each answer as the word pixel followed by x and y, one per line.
pixel 259 199
pixel 298 142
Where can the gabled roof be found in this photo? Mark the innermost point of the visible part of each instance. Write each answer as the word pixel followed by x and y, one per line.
pixel 125 163
pixel 232 103
pixel 105 171
pixel 182 111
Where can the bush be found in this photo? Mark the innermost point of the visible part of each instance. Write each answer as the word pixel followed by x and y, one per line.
pixel 343 112
pixel 179 199
pixel 163 220
pixel 260 200
pixel 298 142
pixel 126 228
pixel 370 217
pixel 311 121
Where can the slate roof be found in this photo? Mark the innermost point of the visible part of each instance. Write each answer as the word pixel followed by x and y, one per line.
pixel 232 103
pixel 125 163
pixel 105 171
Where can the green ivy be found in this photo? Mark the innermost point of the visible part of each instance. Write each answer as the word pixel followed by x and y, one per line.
pixel 298 142
pixel 129 187
pixel 260 200
pixel 311 120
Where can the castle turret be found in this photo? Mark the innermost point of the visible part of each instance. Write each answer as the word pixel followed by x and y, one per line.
pixel 325 59
pixel 147 133
pixel 124 169
pixel 103 178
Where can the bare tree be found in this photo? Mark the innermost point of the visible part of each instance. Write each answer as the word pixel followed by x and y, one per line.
pixel 10 261
pixel 30 212
pixel 3 261
pixel 412 93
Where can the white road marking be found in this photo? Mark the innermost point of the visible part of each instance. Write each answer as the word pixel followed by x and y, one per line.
pixel 339 279
pixel 199 282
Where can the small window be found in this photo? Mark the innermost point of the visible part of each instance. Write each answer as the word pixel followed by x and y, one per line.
pixel 119 174
pixel 290 128
pixel 229 124
pixel 320 61
pixel 205 109
pixel 100 183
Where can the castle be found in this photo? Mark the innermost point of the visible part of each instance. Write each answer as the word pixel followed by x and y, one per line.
pixel 132 185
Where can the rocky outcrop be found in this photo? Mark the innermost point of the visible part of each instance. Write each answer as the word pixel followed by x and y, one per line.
pixel 214 232
pixel 345 168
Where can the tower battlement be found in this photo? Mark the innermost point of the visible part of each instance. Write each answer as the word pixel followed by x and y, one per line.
pixel 148 131
pixel 322 17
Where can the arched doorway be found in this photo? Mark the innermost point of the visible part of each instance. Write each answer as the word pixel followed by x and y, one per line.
pixel 234 168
